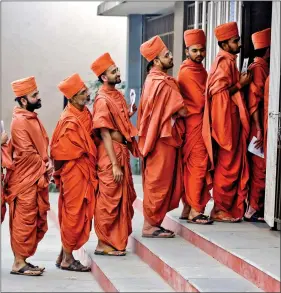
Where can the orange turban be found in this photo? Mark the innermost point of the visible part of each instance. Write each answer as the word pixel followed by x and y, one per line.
pixel 24 86
pixel 102 64
pixel 71 85
pixel 226 31
pixel 151 48
pixel 262 39
pixel 194 37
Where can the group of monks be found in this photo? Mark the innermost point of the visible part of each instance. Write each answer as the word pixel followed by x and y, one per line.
pixel 193 134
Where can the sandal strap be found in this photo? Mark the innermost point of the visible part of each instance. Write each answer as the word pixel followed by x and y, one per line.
pixel 200 217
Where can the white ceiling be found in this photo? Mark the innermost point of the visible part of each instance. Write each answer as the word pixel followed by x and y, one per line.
pixel 124 8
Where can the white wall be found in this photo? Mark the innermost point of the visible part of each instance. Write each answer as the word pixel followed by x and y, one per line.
pixel 52 40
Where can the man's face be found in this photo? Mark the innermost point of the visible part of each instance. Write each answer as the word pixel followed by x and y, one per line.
pixel 233 45
pixel 165 59
pixel 82 98
pixel 112 75
pixel 32 101
pixel 196 53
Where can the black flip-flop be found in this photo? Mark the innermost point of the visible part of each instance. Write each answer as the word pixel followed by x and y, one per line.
pixel 25 269
pixel 200 217
pixel 36 267
pixel 157 234
pixel 76 266
pixel 57 265
pixel 97 252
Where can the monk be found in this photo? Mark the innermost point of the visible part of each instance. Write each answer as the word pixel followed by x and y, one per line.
pixel 74 154
pixel 161 131
pixel 26 191
pixel 112 125
pixel 260 71
pixel 192 79
pixel 226 121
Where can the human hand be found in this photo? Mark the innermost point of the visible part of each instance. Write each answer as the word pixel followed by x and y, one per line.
pixel 117 173
pixel 4 137
pixel 245 78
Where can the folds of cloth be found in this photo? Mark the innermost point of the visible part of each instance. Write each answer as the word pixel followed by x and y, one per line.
pixel 226 121
pixel 26 183
pixel 230 183
pixel 195 173
pixel 114 203
pixel 257 101
pixel 162 182
pixel 76 202
pixel 73 145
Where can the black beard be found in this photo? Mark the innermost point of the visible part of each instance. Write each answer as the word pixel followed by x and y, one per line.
pixel 114 82
pixel 194 60
pixel 31 107
pixel 167 67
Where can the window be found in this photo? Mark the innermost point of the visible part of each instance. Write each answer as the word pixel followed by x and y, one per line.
pixel 207 15
pixel 163 26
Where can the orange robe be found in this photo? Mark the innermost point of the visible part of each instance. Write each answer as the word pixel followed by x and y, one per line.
pixel 160 139
pixel 72 143
pixel 6 162
pixel 114 206
pixel 265 122
pixel 192 82
pixel 255 99
pixel 226 120
pixel 27 188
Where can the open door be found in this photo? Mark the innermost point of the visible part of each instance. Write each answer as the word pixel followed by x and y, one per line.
pixel 273 173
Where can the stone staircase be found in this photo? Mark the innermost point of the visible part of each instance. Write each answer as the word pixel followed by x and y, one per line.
pixel 242 257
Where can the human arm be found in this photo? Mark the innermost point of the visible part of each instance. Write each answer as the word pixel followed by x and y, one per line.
pixel 116 169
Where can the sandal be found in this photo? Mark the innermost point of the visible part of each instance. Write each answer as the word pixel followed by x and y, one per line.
pixel 110 252
pixel 76 266
pixel 35 267
pixel 200 217
pixel 167 230
pixel 226 221
pixel 256 218
pixel 157 234
pixel 27 270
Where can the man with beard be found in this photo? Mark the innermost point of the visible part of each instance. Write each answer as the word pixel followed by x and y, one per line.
pixel 226 120
pixel 74 154
pixel 160 139
pixel 192 81
pixel 260 71
pixel 27 188
pixel 112 125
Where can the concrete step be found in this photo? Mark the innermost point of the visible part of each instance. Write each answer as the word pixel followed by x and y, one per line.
pixel 250 249
pixel 117 274
pixel 185 267
pixel 125 273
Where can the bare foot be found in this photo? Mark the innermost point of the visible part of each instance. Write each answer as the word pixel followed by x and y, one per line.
pixel 250 212
pixel 185 211
pixel 104 249
pixel 221 216
pixel 149 230
pixel 59 259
